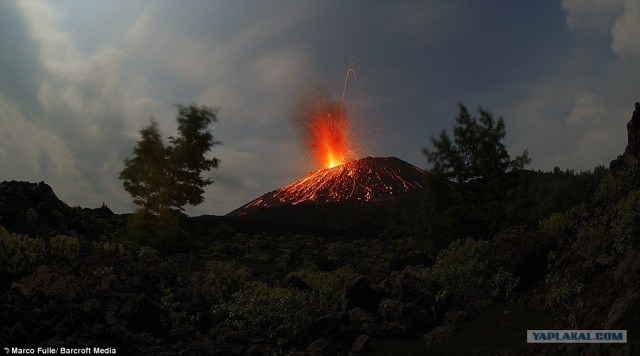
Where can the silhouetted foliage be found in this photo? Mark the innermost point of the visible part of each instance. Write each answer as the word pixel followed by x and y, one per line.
pixel 465 196
pixel 475 189
pixel 163 178
pixel 476 150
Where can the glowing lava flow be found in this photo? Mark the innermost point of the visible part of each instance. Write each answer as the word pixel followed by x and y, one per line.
pixel 364 180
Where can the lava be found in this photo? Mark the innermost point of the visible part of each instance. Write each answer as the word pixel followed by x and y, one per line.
pixel 328 136
pixel 325 126
pixel 365 180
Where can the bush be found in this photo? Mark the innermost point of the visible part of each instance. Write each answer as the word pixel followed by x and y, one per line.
pixel 564 224
pixel 615 186
pixel 390 309
pixel 278 314
pixel 626 226
pixel 556 225
pixel 464 273
pixel 110 248
pixel 65 247
pixel 503 284
pixel 147 253
pixel 222 279
pixel 411 284
pixel 565 292
pixel 326 284
pixel 105 278
pixel 19 254
pixel 182 322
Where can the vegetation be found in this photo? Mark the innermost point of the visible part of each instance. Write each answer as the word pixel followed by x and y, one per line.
pixel 19 254
pixel 475 189
pixel 66 278
pixel 476 150
pixel 163 178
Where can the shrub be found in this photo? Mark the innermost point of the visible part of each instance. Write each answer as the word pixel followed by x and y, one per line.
pixel 390 309
pixel 555 225
pixel 182 322
pixel 111 248
pixel 105 278
pixel 592 240
pixel 565 292
pixel 411 284
pixel 503 284
pixel 615 186
pixel 326 284
pixel 626 226
pixel 563 225
pixel 460 269
pixel 464 273
pixel 147 253
pixel 222 279
pixel 19 254
pixel 278 314
pixel 65 247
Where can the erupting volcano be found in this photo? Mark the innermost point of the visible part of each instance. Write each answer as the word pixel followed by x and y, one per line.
pixel 343 188
pixel 367 180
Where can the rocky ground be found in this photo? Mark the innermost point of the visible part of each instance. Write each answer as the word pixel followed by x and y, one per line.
pixel 236 292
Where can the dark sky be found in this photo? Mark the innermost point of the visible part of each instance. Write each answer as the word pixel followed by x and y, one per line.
pixel 78 79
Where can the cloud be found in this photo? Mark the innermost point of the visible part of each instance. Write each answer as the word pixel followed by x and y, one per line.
pixel 30 150
pixel 79 89
pixel 251 74
pixel 591 15
pixel 71 128
pixel 619 18
pixel 588 110
pixel 88 106
pixel 626 41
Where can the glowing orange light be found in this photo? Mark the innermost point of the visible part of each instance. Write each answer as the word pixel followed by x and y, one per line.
pixel 329 143
pixel 325 126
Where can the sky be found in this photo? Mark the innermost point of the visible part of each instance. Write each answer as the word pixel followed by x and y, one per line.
pixel 79 79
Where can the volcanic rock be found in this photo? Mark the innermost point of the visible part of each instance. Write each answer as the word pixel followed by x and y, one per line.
pixel 439 334
pixel 360 344
pixel 411 259
pixel 358 292
pixel 369 179
pixel 632 151
pixel 34 209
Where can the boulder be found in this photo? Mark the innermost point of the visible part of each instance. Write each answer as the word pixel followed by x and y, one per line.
pixel 628 270
pixel 624 311
pixel 360 344
pixel 358 292
pixel 293 281
pixel 317 348
pixel 439 334
pixel 604 260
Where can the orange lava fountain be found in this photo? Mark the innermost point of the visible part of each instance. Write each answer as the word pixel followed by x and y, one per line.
pixel 325 127
pixel 329 138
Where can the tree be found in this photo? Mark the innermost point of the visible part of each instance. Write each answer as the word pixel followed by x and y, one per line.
pixel 163 178
pixel 466 193
pixel 476 151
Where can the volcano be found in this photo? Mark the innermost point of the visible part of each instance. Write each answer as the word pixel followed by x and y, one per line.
pixel 367 181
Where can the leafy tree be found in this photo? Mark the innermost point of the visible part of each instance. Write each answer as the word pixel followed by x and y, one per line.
pixel 465 195
pixel 476 150
pixel 163 178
